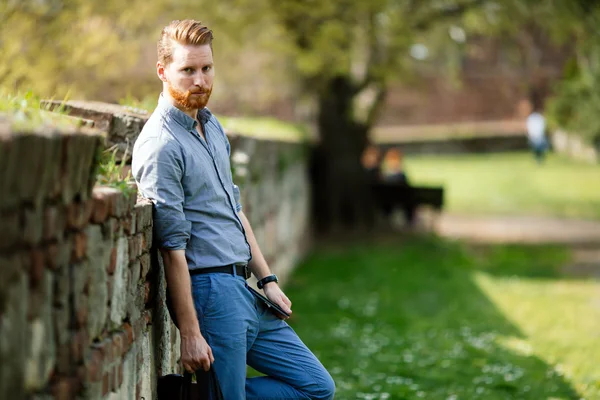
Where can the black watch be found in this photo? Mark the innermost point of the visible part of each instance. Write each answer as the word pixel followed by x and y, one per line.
pixel 267 279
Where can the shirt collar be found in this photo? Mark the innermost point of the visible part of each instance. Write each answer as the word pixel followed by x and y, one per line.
pixel 188 122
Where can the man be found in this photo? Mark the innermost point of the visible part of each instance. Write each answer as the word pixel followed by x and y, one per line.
pixel 181 162
pixel 536 127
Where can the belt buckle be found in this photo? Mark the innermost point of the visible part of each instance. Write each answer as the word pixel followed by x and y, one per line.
pixel 247 273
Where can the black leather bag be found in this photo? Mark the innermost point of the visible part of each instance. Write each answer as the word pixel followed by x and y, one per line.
pixel 181 387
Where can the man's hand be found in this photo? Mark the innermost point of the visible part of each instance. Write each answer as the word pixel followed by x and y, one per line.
pixel 276 295
pixel 195 353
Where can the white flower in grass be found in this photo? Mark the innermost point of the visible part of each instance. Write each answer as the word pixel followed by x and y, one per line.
pixel 344 303
pixel 366 396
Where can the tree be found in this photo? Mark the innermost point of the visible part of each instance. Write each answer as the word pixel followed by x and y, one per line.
pixel 55 46
pixel 568 29
pixel 575 105
pixel 105 49
pixel 347 53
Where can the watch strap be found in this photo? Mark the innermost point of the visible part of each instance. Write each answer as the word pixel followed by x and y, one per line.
pixel 267 279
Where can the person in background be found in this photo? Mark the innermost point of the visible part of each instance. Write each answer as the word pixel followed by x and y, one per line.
pixel 371 162
pixel 536 133
pixel 394 173
pixel 394 167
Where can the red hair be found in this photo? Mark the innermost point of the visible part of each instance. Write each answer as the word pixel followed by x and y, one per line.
pixel 185 32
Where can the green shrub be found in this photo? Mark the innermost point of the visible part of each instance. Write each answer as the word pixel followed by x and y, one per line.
pixel 111 172
pixel 576 103
pixel 26 112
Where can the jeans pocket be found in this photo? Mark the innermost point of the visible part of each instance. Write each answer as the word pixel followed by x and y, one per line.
pixel 202 293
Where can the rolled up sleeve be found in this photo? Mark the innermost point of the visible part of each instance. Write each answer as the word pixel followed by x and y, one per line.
pixel 158 169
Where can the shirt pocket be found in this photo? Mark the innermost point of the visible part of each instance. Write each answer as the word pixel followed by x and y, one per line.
pixel 197 179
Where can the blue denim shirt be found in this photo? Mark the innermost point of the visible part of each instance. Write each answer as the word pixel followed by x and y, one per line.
pixel 189 180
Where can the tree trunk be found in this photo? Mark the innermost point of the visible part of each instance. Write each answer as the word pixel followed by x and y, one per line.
pixel 342 199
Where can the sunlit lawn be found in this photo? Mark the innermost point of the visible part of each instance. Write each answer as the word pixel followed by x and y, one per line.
pixel 429 319
pixel 511 184
pixel 265 128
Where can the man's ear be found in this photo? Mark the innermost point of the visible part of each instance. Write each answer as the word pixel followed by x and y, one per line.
pixel 160 71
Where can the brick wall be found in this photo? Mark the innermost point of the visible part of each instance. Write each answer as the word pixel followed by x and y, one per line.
pixel 80 305
pixel 82 311
pixel 490 85
pixel 434 100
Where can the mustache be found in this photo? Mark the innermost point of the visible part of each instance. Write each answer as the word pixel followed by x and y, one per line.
pixel 201 91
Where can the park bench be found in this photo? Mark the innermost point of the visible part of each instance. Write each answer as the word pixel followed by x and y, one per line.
pixel 393 195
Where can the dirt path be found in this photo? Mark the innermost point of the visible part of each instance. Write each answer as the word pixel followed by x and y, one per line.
pixel 526 229
pixel 582 236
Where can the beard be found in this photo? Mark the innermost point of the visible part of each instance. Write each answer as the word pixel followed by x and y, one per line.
pixel 189 100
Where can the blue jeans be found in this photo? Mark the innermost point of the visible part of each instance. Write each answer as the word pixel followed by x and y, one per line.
pixel 539 149
pixel 242 331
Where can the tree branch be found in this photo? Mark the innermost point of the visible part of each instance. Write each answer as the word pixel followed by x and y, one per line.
pixel 376 106
pixel 376 55
pixel 372 46
pixel 448 12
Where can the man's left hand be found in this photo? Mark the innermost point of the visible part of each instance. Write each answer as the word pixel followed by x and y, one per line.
pixel 276 295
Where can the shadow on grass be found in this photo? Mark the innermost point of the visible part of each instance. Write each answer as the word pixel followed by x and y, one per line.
pixel 408 321
pixel 538 261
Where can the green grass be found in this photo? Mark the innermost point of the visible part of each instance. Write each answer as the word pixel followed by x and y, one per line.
pixel 511 184
pixel 430 319
pixel 24 112
pixel 265 128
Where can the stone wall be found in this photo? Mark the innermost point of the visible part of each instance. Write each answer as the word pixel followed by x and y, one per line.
pixel 82 311
pixel 121 124
pixel 275 193
pixel 80 305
